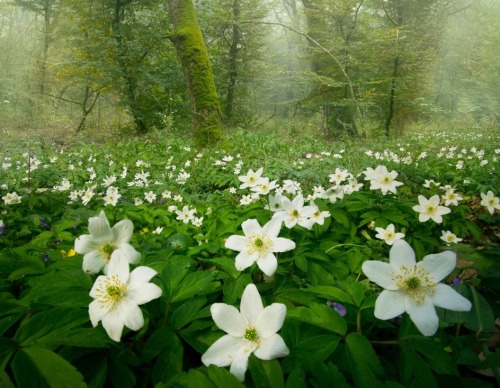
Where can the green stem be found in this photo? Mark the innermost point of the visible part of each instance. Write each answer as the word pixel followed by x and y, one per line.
pixel 358 321
pixel 344 245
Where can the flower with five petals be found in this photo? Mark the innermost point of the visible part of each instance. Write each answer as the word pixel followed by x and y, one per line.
pixel 258 245
pixel 105 243
pixel 117 297
pixel 253 329
pixel 414 287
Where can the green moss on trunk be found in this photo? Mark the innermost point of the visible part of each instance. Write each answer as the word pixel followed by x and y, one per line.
pixel 195 63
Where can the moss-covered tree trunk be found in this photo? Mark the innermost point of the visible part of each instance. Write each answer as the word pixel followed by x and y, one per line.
pixel 193 57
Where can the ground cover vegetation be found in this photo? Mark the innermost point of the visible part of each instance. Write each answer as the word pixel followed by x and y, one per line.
pixel 294 263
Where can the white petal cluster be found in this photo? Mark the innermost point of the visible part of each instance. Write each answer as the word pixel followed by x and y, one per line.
pixel 258 245
pixel 414 287
pixel 253 329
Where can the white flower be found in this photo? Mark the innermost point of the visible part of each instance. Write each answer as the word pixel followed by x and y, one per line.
pixel 197 221
pixel 414 287
pixel 253 329
pixel 112 196
pixel 11 198
pixel 339 176
pixel 118 295
pixel 294 212
pixel 185 215
pixel 389 235
pixel 384 180
pixel 451 198
pixel 430 209
pixel 333 193
pixel 319 216
pixel 158 230
pixel 490 201
pixel 264 186
pixel 251 179
pixel 104 243
pixel 449 237
pixel 87 196
pixel 150 196
pixel 258 245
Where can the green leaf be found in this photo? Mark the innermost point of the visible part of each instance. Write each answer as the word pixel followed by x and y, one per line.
pixel 50 324
pixel 439 359
pixel 266 374
pixel 330 292
pixel 414 370
pixel 364 362
pixel 320 315
pixel 188 312
pixel 40 367
pixel 195 284
pixel 233 288
pixel 169 361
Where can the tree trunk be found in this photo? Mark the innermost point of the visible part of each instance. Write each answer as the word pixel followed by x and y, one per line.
pixel 233 52
pixel 130 89
pixel 193 58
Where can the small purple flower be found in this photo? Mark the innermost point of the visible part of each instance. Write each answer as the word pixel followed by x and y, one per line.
pixel 46 257
pixel 457 281
pixel 2 227
pixel 43 222
pixel 338 307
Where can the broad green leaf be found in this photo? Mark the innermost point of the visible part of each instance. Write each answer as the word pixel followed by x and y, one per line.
pixel 169 361
pixel 40 367
pixel 331 292
pixel 439 359
pixel 195 284
pixel 266 374
pixel 415 371
pixel 364 362
pixel 233 288
pixel 320 315
pixel 187 312
pixel 51 323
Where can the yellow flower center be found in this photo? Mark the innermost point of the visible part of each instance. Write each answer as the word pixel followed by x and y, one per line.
pixel 251 334
pixel 258 243
pixel 450 238
pixel 415 282
pixel 111 292
pixel 387 179
pixel 430 208
pixel 107 250
pixel 492 202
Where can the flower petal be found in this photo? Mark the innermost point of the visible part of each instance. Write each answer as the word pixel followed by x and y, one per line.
pixel 244 260
pixel 389 304
pixel 272 347
pixel 239 365
pixel 118 265
pixel 251 304
pixel 93 262
pixel 446 297
pixel 380 273
pixel 141 293
pixel 99 228
pixel 229 319
pixel 281 244
pixel 97 312
pixel 129 252
pixel 268 264
pixel 223 351
pixel 250 227
pixel 113 325
pixel 85 244
pixel 439 265
pixel 272 228
pixel 401 254
pixel 142 275
pixel 236 243
pixel 270 320
pixel 423 315
pixel 130 314
pixel 122 231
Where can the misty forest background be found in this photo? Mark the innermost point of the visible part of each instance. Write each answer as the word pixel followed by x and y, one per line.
pixel 331 67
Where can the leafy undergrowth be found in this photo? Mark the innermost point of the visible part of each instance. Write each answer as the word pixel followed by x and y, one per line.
pixel 185 204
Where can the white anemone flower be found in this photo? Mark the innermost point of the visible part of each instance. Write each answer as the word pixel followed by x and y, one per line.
pixel 449 237
pixel 388 234
pixel 414 287
pixel 105 243
pixel 490 201
pixel 294 212
pixel 258 245
pixel 430 209
pixel 118 295
pixel 385 180
pixel 253 329
pixel 251 179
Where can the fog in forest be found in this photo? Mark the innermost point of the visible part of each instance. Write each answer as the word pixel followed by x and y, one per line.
pixel 337 67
